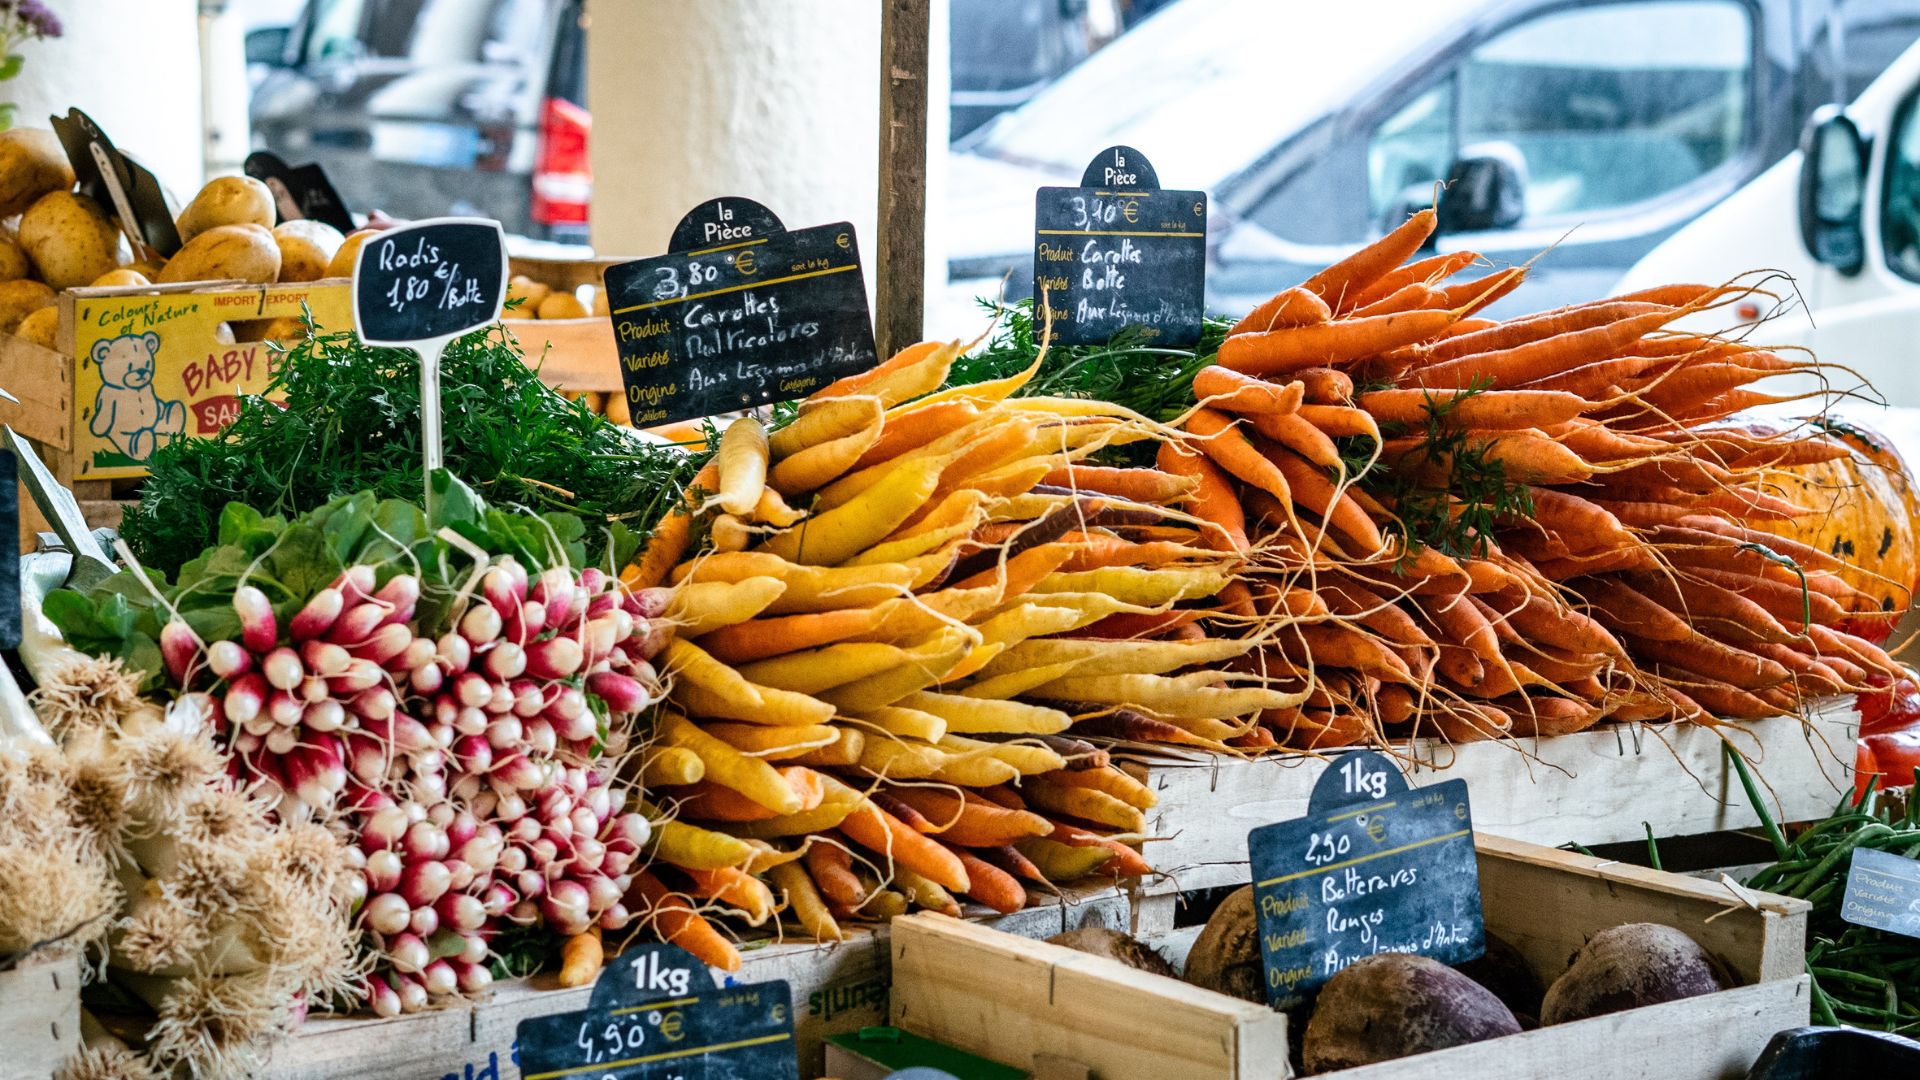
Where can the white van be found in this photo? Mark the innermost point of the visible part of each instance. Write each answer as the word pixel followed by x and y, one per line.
pixel 1842 217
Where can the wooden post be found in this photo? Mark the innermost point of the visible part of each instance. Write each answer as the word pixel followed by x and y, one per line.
pixel 900 259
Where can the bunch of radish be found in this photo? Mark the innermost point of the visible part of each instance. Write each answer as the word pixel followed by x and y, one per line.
pixel 471 771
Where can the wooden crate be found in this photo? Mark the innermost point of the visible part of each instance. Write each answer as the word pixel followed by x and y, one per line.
pixel 1594 787
pixel 196 376
pixel 572 354
pixel 39 1014
pixel 1013 1000
pixel 836 987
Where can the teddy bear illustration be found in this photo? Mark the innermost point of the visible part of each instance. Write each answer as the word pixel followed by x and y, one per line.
pixel 127 412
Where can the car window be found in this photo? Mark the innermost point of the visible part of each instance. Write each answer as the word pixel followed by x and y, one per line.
pixel 1611 105
pixel 429 32
pixel 1900 194
pixel 1410 150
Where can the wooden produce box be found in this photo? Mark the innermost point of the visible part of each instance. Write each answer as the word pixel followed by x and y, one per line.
pixel 138 366
pixel 1028 1004
pixel 572 354
pixel 1594 787
pixel 39 1014
pixel 837 987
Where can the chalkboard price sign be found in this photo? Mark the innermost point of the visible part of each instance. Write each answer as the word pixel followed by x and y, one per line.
pixel 742 313
pixel 10 559
pixel 422 285
pixel 1883 891
pixel 1119 252
pixel 300 192
pixel 1374 867
pixel 656 1015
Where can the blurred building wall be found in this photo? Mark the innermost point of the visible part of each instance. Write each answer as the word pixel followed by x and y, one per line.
pixel 775 100
pixel 132 65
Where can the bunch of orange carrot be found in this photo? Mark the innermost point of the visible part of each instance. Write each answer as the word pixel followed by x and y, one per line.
pixel 1623 570
pixel 897 620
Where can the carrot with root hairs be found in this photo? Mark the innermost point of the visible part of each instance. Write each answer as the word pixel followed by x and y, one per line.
pixel 831 867
pixel 1417 294
pixel 1214 502
pixel 918 369
pixel 757 639
pixel 916 426
pixel 1428 271
pixel 1345 281
pixel 1299 436
pixel 804 900
pixel 1340 421
pixel 1312 489
pixel 736 888
pixel 1224 388
pixel 1491 409
pixel 881 832
pixel 1138 485
pixel 1536 359
pixel 1343 342
pixel 678 924
pixel 1294 307
pixel 1221 440
pixel 1468 297
pixel 668 540
pixel 989 884
pixel 1537 327
pixel 823 422
pixel 969 820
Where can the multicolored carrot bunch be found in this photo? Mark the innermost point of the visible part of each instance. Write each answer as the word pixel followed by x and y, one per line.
pixel 881 700
pixel 1486 528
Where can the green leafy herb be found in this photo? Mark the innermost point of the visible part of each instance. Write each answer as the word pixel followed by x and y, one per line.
pixel 1456 518
pixel 351 423
pixel 1155 381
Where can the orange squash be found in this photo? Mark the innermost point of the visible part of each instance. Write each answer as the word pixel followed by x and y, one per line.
pixel 1863 508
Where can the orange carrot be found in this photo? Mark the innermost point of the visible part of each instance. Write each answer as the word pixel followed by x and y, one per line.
pixel 1214 501
pixel 1342 342
pixel 1312 489
pixel 1460 623
pixel 730 885
pixel 757 639
pixel 1546 324
pixel 881 832
pixel 1546 356
pixel 969 820
pixel 1588 380
pixel 831 868
pixel 1298 435
pixel 1468 297
pixel 668 540
pixel 676 923
pixel 1429 271
pixel 1151 486
pixel 1340 420
pixel 1220 439
pixel 989 884
pixel 1408 297
pixel 1325 386
pixel 1494 409
pixel 1345 281
pixel 858 383
pixel 914 429
pixel 1224 388
pixel 1294 307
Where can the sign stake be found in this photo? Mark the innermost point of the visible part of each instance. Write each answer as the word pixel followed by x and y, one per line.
pixel 420 286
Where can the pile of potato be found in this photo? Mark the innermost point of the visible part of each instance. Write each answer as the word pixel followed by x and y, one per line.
pixel 52 238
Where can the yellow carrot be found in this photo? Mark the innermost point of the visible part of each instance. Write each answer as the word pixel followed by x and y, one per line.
pixel 742 461
pixel 970 714
pixel 823 421
pixel 697 607
pixel 729 768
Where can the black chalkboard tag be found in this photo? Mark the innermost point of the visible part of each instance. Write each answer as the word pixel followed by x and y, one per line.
pixel 1119 253
pixel 742 312
pixel 1883 891
pixel 127 189
pixel 10 555
pixel 300 191
pixel 1375 866
pixel 420 286
pixel 656 1014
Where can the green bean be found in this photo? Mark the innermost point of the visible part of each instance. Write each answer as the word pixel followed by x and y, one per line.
pixel 1832 858
pixel 1774 834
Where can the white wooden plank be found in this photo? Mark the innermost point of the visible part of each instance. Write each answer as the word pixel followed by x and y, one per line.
pixel 836 987
pixel 1593 787
pixel 39 1015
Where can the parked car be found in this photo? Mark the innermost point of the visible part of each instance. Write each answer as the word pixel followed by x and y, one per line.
pixel 429 107
pixel 1841 216
pixel 1602 125
pixel 1006 51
